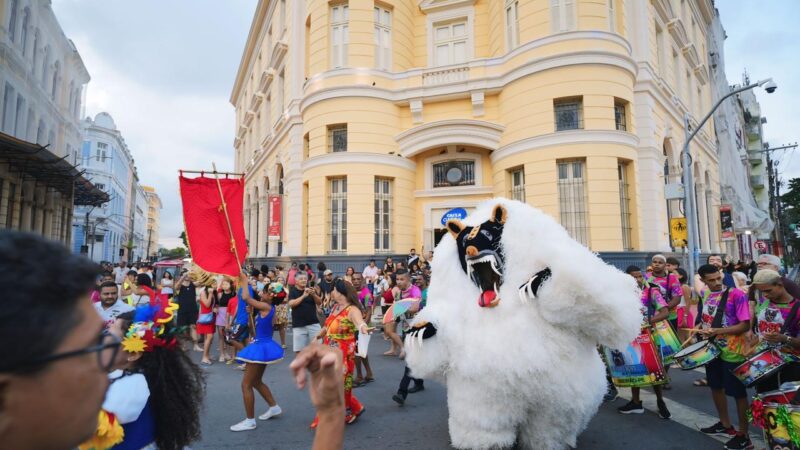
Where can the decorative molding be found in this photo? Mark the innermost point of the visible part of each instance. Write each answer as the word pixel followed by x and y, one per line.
pixel 678 32
pixel 478 133
pixel 454 191
pixel 456 73
pixel 278 53
pixel 477 104
pixel 663 9
pixel 701 72
pixel 429 6
pixel 416 110
pixel 690 52
pixel 565 138
pixel 248 117
pixel 358 158
pixel 255 101
pixel 489 84
pixel 241 132
pixel 266 80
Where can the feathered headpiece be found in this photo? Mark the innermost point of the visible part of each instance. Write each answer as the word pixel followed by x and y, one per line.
pixel 148 329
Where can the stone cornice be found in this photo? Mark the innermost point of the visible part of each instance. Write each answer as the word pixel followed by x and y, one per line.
pixel 358 158
pixel 563 138
pixel 445 132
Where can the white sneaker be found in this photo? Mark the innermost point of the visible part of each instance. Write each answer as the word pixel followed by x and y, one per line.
pixel 245 425
pixel 271 412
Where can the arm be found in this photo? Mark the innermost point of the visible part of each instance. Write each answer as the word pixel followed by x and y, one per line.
pixel 660 315
pixel 294 303
pixel 315 295
pixel 739 328
pixel 261 306
pixel 205 299
pixel 326 390
pixel 355 315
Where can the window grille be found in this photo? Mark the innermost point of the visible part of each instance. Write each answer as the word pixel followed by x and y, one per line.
pixel 454 173
pixel 625 207
pixel 518 184
pixel 572 200
pixel 338 215
pixel 337 138
pixel 569 114
pixel 619 116
pixel 383 215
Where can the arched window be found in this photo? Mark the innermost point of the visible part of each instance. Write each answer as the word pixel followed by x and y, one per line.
pixel 26 19
pixel 56 71
pixel 12 21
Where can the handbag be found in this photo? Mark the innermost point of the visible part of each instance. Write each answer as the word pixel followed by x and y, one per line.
pixel 205 318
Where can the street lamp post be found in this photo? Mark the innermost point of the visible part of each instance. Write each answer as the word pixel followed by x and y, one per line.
pixel 687 177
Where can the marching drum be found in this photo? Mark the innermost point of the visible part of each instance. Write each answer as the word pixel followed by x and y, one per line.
pixel 697 355
pixel 666 340
pixel 760 366
pixel 777 420
pixel 637 365
pixel 784 395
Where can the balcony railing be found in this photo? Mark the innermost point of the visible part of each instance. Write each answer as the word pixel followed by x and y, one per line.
pixel 451 74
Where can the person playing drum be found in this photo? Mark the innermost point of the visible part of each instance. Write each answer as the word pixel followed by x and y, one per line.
pixel 654 309
pixel 735 321
pixel 771 328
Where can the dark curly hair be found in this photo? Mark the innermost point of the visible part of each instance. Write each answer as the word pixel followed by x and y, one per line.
pixel 49 307
pixel 177 388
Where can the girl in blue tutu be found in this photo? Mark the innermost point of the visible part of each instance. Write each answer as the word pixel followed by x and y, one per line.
pixel 256 356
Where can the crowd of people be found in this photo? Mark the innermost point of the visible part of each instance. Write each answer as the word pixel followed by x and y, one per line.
pixel 741 309
pixel 113 348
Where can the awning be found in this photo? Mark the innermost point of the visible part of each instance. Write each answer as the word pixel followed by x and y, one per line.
pixel 39 163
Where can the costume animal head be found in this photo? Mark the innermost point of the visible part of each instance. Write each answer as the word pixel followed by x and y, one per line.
pixel 481 255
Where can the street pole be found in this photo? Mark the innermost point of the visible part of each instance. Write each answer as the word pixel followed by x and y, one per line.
pixel 149 236
pixel 688 182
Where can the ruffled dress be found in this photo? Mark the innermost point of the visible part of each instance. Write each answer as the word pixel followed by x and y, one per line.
pixel 263 350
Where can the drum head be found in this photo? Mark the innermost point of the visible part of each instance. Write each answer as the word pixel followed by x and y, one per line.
pixel 692 348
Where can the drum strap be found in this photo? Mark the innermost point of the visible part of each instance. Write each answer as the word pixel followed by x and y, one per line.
pixel 717 322
pixel 791 317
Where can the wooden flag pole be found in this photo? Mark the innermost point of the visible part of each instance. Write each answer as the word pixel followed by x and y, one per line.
pixel 250 322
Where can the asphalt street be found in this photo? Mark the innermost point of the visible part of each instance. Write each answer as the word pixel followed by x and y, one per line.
pixel 422 422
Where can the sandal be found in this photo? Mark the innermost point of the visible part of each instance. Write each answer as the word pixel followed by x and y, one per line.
pixel 368 380
pixel 206 363
pixel 700 382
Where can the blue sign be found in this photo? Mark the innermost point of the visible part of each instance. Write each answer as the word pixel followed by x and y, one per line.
pixel 455 213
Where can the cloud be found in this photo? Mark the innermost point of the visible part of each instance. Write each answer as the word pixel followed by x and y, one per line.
pixel 164 71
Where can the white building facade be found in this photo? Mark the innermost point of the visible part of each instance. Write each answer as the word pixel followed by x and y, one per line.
pixel 42 80
pixel 105 157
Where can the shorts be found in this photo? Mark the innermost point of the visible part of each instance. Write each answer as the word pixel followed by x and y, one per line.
pixel 720 376
pixel 302 336
pixel 222 316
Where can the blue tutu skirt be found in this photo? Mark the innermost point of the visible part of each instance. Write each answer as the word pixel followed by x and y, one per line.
pixel 264 351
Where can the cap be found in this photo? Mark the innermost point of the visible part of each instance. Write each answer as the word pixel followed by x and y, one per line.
pixel 328 272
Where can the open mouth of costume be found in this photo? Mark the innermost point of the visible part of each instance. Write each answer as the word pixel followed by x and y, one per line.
pixel 484 270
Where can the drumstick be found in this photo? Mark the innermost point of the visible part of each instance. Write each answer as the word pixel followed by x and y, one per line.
pixel 687 341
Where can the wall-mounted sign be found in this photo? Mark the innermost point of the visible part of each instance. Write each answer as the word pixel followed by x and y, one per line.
pixel 454 214
pixel 274 229
pixel 679 232
pixel 726 222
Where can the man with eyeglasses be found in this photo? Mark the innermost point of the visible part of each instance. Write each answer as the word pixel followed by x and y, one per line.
pixel 61 371
pixel 772 262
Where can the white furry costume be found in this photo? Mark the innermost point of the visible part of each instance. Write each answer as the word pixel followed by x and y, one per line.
pixel 526 370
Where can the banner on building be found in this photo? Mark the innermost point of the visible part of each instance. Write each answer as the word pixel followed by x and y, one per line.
pixel 679 231
pixel 215 240
pixel 726 223
pixel 275 209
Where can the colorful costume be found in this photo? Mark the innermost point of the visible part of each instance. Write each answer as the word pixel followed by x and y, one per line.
pixel 263 350
pixel 342 335
pixel 521 365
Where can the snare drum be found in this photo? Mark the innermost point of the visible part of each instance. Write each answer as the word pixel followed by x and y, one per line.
pixel 666 340
pixel 759 366
pixel 784 395
pixel 697 355
pixel 637 365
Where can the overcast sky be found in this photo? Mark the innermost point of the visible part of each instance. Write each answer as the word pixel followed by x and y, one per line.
pixel 165 69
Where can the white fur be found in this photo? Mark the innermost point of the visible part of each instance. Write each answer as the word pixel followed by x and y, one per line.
pixel 527 370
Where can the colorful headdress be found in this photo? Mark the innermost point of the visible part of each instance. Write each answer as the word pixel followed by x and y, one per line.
pixel 148 329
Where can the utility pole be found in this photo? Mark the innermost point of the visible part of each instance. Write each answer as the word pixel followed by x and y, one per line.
pixel 149 235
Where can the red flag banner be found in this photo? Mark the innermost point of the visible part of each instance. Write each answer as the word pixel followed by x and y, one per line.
pixel 207 231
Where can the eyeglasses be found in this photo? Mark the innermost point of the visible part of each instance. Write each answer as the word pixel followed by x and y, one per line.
pixel 106 348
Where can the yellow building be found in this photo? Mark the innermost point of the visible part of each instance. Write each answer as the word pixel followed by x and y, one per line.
pixel 362 123
pixel 153 220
